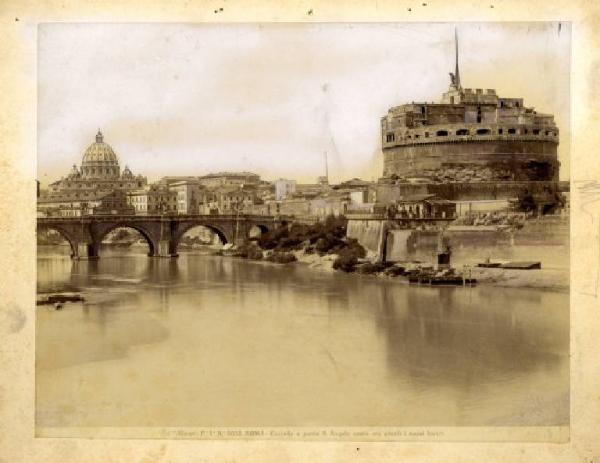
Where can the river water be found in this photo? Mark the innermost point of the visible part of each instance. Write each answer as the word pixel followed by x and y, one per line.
pixel 215 341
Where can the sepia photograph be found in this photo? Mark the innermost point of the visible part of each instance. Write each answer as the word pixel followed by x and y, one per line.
pixel 303 231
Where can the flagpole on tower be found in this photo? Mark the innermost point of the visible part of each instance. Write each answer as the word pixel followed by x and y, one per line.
pixel 456 71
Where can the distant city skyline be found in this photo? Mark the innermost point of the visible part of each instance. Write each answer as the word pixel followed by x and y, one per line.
pixel 176 99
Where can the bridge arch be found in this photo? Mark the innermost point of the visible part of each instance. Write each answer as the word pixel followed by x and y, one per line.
pixel 62 232
pixel 184 228
pixel 257 230
pixel 146 234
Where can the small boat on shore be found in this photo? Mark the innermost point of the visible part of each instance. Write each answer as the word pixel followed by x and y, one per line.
pixel 514 265
pixel 445 277
pixel 489 264
pixel 442 275
pixel 58 299
pixel 527 265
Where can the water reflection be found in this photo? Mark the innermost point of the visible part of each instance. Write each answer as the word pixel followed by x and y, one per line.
pixel 243 343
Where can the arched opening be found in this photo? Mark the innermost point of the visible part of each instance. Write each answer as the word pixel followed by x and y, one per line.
pixel 53 241
pixel 256 232
pixel 462 132
pixel 124 239
pixel 442 133
pixel 200 238
pixel 483 131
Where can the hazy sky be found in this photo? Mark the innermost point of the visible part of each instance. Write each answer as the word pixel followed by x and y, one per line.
pixel 181 99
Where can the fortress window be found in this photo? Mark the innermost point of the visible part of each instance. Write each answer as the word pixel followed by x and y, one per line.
pixel 500 131
pixel 536 131
pixel 517 104
pixel 426 134
pixel 547 133
pixel 512 131
pixel 502 104
pixel 525 131
pixel 483 131
pixel 442 133
pixel 462 132
pixel 389 137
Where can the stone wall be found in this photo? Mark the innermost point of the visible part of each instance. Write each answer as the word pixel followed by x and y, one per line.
pixel 398 245
pixel 367 232
pixel 512 155
pixel 387 193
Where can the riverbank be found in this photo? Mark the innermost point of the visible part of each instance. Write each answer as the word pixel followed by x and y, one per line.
pixel 553 279
pixel 325 246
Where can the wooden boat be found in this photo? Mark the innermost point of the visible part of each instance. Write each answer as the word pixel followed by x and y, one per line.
pixel 489 264
pixel 522 265
pixel 441 279
pixel 443 276
pixel 58 299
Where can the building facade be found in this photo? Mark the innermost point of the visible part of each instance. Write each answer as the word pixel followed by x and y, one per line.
pixel 113 203
pixel 284 188
pixel 189 196
pixel 229 179
pixel 154 199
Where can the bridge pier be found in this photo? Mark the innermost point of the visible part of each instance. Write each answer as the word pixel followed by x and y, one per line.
pixel 85 251
pixel 164 248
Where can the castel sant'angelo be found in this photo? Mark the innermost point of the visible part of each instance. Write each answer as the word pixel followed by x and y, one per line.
pixel 472 135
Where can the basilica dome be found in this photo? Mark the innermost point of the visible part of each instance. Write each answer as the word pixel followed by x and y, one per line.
pixel 99 160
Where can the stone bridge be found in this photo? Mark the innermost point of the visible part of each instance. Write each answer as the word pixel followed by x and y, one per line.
pixel 161 232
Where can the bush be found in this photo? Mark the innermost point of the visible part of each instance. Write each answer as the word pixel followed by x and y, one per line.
pixel 354 247
pixel 254 253
pixel 289 243
pixel 369 268
pixel 281 257
pixel 272 238
pixel 329 235
pixel 345 262
pixel 394 271
pixel 335 226
pixel 249 251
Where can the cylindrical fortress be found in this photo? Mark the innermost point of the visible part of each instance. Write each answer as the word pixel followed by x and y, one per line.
pixel 471 152
pixel 470 136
